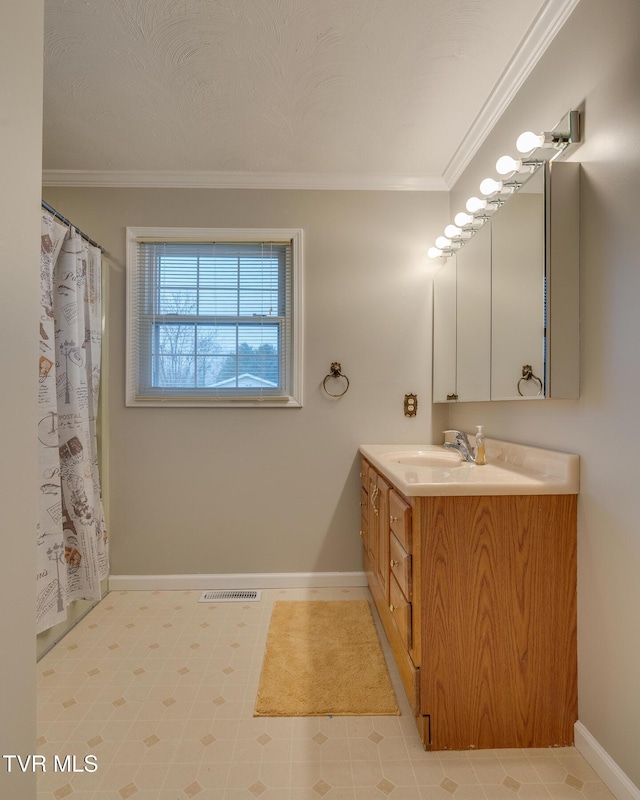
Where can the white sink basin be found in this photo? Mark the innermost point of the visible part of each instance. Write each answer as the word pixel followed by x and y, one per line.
pixel 422 470
pixel 428 458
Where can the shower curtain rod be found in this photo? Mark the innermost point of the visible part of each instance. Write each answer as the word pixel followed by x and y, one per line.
pixel 71 225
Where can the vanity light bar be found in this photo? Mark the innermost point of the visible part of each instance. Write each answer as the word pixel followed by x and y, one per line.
pixel 536 150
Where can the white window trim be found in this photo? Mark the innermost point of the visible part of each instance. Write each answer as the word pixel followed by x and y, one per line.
pixel 134 234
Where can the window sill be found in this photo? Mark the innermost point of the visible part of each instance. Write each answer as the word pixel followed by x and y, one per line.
pixel 213 402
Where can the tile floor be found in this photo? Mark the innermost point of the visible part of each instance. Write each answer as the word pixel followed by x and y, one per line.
pixel 161 690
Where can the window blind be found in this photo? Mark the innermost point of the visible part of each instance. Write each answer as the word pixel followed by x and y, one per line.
pixel 211 321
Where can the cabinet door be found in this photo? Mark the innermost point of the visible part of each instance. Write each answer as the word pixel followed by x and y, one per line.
pixel 368 518
pixel 462 323
pixel 473 318
pixel 444 333
pixel 518 293
pixel 364 506
pixel 499 621
pixel 373 517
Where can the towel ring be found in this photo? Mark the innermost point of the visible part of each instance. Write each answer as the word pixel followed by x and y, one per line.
pixel 527 375
pixel 335 372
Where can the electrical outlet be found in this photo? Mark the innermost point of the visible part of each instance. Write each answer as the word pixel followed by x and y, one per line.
pixel 410 405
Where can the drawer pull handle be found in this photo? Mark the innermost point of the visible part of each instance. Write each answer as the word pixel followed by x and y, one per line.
pixel 394 563
pixel 392 608
pixel 393 519
pixel 361 533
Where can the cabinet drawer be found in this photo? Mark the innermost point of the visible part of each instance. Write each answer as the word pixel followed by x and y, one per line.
pixel 400 562
pixel 400 519
pixel 400 611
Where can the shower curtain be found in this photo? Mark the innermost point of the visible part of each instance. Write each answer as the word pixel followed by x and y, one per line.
pixel 72 550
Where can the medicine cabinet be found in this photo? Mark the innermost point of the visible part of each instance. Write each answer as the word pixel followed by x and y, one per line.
pixel 505 315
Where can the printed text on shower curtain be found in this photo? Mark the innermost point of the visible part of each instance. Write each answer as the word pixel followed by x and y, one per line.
pixel 72 552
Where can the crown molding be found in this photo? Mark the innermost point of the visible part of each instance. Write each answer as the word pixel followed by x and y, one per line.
pixel 176 179
pixel 544 28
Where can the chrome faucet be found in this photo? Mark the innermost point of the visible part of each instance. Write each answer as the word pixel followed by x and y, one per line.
pixel 462 445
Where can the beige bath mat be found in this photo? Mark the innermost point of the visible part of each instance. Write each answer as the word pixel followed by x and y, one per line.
pixel 323 657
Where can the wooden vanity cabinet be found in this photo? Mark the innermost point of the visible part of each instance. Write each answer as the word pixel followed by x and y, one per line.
pixel 481 615
pixel 387 517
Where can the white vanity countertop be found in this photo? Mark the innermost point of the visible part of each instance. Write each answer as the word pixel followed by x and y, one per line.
pixel 427 470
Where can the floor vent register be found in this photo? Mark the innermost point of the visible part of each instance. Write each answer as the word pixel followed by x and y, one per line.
pixel 230 596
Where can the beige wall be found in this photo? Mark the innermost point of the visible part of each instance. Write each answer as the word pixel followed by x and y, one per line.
pixel 272 490
pixel 21 35
pixel 594 63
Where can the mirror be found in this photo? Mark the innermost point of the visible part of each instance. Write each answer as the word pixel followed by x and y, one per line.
pixel 473 298
pixel 462 324
pixel 506 304
pixel 517 293
pixel 444 333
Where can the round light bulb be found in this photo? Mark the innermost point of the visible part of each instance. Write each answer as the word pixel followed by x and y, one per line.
pixel 489 186
pixel 442 242
pixel 528 141
pixel 475 204
pixel 452 231
pixel 506 164
pixel 434 252
pixel 463 219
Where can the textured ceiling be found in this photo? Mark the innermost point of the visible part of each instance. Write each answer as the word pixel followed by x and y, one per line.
pixel 382 88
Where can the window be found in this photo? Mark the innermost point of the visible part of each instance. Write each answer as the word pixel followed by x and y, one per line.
pixel 214 317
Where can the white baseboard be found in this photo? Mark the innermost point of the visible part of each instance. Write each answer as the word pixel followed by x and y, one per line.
pixel 267 580
pixel 598 758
